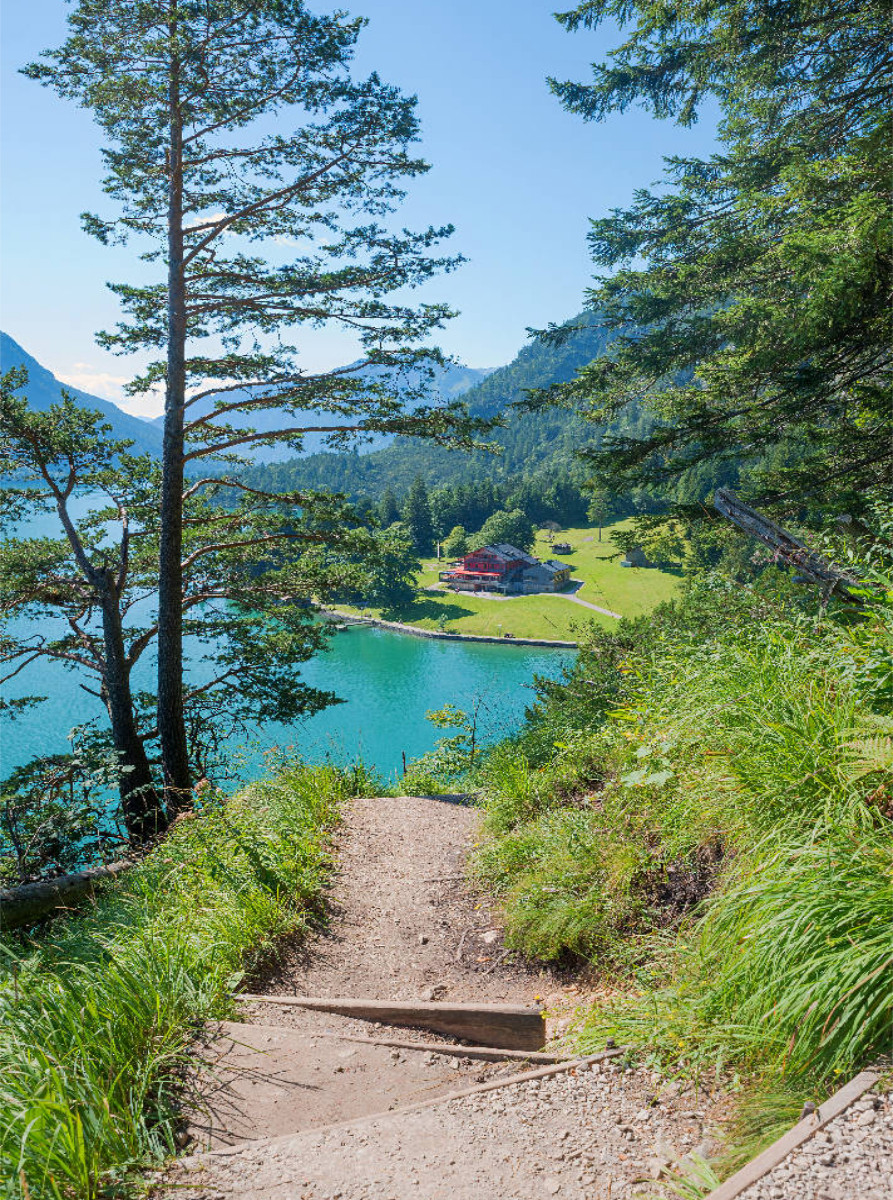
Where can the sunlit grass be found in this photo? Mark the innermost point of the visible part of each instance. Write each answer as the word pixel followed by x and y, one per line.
pixel 96 1015
pixel 627 591
pixel 742 748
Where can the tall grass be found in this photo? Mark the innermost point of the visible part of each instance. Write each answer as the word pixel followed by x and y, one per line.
pixel 96 1015
pixel 719 826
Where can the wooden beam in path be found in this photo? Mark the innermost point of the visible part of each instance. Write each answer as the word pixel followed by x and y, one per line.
pixel 795 1137
pixel 506 1026
pixel 571 1064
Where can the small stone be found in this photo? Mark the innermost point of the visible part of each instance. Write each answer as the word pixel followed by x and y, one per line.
pixel 423 939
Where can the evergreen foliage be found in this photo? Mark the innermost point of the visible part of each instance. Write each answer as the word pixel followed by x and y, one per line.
pixel 417 517
pixel 84 598
pixel 758 330
pixel 388 512
pixel 530 443
pixel 185 94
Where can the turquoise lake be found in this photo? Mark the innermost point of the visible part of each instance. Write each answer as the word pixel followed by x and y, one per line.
pixel 388 681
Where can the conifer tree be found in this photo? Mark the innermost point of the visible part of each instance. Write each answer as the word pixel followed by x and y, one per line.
pixel 257 175
pixel 388 511
pixel 83 598
pixel 417 516
pixel 758 330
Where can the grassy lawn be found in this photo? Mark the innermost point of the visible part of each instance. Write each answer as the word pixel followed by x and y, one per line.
pixel 629 591
pixel 525 616
pixel 624 590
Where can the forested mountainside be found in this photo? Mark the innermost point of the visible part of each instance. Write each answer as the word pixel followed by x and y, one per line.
pixel 530 441
pixel 44 389
pixel 450 382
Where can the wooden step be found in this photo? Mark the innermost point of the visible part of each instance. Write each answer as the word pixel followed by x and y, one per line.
pixel 503 1026
pixel 450 1049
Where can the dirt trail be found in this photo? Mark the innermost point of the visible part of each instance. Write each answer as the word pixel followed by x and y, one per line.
pixel 404 926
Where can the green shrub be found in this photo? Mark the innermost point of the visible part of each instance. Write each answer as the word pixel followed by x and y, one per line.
pixel 789 972
pixel 96 1015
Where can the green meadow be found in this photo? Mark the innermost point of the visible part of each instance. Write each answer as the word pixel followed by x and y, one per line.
pixel 628 591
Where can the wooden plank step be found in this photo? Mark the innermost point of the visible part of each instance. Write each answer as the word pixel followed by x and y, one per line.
pixel 451 1049
pixel 505 1081
pixel 506 1026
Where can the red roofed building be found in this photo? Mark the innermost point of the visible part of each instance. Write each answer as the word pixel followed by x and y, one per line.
pixel 504 568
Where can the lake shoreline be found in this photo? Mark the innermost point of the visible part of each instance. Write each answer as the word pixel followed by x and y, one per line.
pixel 442 635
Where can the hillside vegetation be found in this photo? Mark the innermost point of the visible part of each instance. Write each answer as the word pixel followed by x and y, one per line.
pixel 702 810
pixel 98 1015
pixel 529 443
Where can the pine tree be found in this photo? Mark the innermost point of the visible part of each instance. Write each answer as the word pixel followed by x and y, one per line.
pixel 417 515
pixel 388 510
pixel 248 571
pixel 758 330
pixel 250 166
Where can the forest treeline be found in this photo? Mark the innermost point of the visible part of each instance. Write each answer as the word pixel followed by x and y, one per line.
pixel 535 462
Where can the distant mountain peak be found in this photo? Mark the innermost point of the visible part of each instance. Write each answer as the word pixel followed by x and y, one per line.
pixel 44 389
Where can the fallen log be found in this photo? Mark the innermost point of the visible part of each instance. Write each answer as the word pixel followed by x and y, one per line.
pixel 810 566
pixel 26 904
pixel 506 1026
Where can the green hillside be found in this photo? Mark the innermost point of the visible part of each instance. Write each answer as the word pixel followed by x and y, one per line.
pixel 530 441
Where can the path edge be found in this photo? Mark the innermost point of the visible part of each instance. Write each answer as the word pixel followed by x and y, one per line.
pixel 753 1171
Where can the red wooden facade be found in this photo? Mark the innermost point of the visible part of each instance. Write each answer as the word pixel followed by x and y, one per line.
pixel 490 567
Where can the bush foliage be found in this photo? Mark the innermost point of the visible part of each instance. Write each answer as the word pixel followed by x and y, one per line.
pixel 704 806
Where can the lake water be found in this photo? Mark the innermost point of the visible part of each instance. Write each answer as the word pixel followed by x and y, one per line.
pixel 388 680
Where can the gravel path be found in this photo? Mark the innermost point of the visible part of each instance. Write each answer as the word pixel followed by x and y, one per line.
pixel 590 1135
pixel 850 1159
pixel 586 604
pixel 404 925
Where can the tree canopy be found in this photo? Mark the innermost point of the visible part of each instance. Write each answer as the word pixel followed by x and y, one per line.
pixel 417 517
pixel 750 294
pixel 512 527
pixel 247 161
pixel 251 564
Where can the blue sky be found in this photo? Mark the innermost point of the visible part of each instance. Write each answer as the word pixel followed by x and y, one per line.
pixel 516 175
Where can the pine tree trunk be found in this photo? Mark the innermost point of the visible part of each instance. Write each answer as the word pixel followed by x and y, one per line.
pixel 171 724
pixel 141 805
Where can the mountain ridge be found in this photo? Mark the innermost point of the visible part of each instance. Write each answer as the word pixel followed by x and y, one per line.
pixel 44 389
